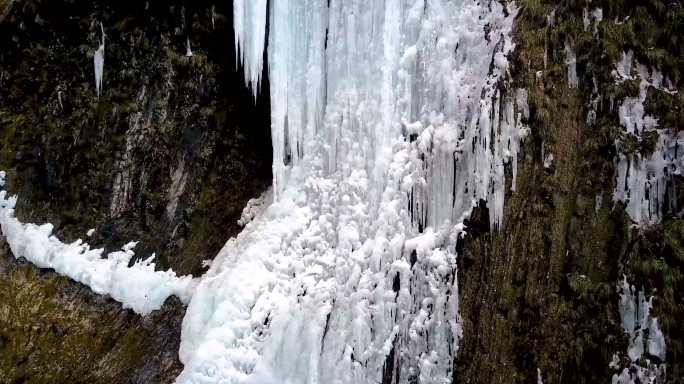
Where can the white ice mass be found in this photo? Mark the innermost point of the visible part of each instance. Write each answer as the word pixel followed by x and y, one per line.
pixel 646 351
pixel 136 286
pixel 643 183
pixel 389 125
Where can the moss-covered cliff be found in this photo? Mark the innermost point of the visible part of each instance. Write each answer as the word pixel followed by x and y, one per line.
pixel 168 154
pixel 541 293
pixel 55 331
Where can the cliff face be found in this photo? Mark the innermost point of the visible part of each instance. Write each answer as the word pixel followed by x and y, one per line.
pixel 541 293
pixel 173 147
pixel 168 155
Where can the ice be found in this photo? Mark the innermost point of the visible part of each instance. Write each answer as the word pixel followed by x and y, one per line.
pixel 597 16
pixel 644 181
pixel 592 18
pixel 188 51
pixel 571 61
pixel 137 286
pixel 98 61
pixel 249 22
pixel 254 207
pixel 624 67
pixel 389 124
pixel 646 340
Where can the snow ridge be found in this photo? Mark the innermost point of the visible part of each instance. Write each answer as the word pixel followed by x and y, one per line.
pixel 389 125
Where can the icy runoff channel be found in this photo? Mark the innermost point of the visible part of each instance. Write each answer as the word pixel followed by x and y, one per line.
pixel 388 127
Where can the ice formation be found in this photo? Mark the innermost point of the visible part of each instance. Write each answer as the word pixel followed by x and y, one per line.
pixel 643 183
pixel 389 125
pixel 646 351
pixel 188 50
pixel 136 286
pixel 249 21
pixel 592 18
pixel 98 61
pixel 571 61
pixel 254 207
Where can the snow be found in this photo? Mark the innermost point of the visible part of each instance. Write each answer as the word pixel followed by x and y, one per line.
pixel 388 126
pixel 137 286
pixel 90 232
pixel 3 175
pixel 643 182
pixel 98 61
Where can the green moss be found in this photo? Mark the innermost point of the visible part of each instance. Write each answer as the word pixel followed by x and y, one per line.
pixel 42 340
pixel 541 293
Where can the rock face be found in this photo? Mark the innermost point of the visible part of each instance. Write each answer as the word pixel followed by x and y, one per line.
pixel 168 154
pixel 541 293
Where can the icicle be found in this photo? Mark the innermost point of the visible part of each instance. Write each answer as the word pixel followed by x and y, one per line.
pixel 249 22
pixel 99 63
pixel 188 52
pixel 571 61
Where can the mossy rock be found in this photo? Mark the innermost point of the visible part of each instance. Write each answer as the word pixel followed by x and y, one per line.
pixel 53 331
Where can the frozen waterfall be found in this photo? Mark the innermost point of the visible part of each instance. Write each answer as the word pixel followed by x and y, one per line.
pixel 389 124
